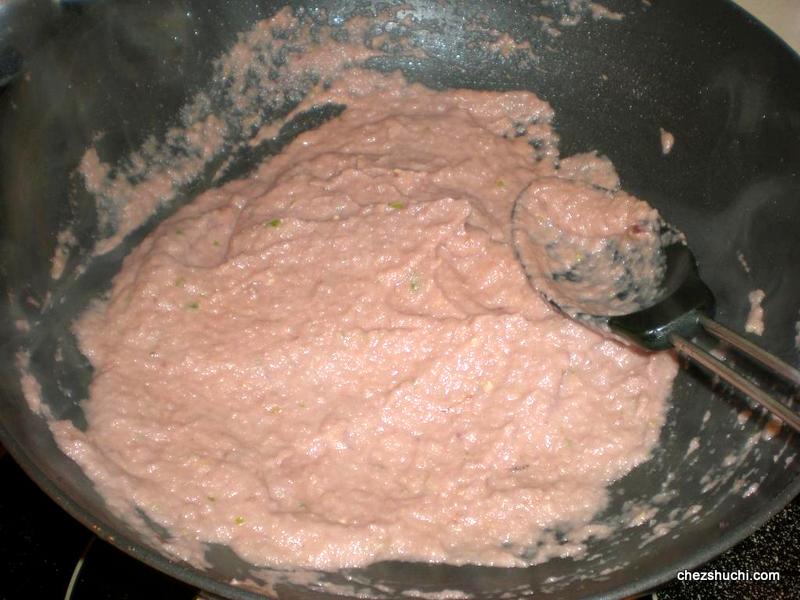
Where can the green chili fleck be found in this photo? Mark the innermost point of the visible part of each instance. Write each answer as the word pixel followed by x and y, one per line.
pixel 215 243
pixel 239 520
pixel 415 283
pixel 273 223
pixel 500 183
pixel 179 282
pixel 179 231
pixel 194 305
pixel 397 205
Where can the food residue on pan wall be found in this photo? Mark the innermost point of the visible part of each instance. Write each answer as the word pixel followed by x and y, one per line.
pixel 600 11
pixel 755 318
pixel 64 242
pixel 31 388
pixel 743 261
pixel 667 141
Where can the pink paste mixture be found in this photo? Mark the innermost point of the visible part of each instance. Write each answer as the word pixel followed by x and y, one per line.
pixel 339 359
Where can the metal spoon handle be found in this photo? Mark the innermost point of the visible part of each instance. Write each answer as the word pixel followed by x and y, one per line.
pixel 716 366
pixel 750 350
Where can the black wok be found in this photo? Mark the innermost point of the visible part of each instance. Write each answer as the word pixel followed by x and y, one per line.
pixel 727 89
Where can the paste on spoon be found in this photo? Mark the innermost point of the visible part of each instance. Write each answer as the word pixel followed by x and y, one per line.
pixel 589 250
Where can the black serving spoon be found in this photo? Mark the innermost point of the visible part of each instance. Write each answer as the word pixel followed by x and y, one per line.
pixel 673 316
